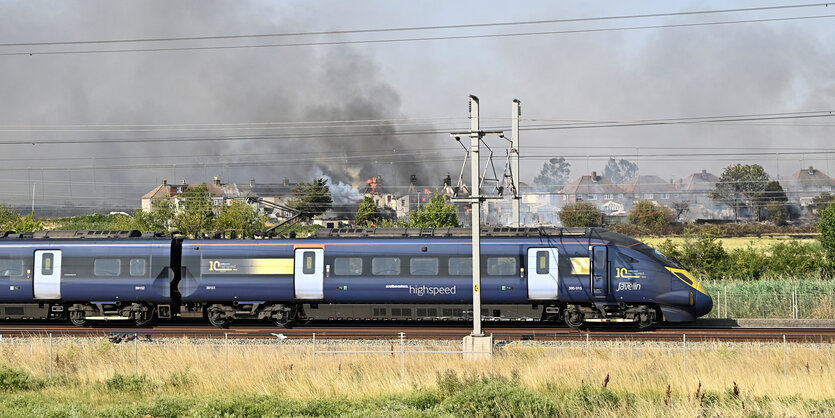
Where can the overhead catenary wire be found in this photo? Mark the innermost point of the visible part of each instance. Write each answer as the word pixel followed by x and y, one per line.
pixel 418 28
pixel 413 39
pixel 398 132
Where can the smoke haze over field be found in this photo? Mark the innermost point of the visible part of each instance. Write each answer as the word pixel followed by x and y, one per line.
pixel 351 111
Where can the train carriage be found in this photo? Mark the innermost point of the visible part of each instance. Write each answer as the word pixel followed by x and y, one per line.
pixel 575 275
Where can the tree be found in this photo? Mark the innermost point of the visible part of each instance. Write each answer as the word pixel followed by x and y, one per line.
pixel 28 223
pixel 646 213
pixel 826 227
pixel 195 210
pixel 240 216
pixel 8 217
pixel 368 214
pixel 821 202
pixel 620 171
pixel 311 199
pixel 554 174
pixel 776 213
pixel 581 214
pixel 772 196
pixel 435 214
pixel 680 209
pixel 159 219
pixel 740 186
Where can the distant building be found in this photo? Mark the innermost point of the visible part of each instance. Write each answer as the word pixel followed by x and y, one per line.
pixel 696 187
pixel 806 184
pixel 651 188
pixel 218 193
pixel 223 194
pixel 594 189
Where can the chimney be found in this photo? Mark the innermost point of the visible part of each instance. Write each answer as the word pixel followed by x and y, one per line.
pixel 164 182
pixel 286 182
pixel 252 182
pixel 704 173
pixel 594 176
pixel 184 182
pixel 811 170
pixel 217 181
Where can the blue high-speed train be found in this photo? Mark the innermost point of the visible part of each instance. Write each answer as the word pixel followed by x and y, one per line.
pixel 576 275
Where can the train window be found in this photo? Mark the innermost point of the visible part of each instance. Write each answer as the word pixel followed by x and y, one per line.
pixel 308 263
pixel 385 266
pixel 11 268
pixel 542 260
pixel 501 266
pixel 107 267
pixel 460 266
pixel 137 267
pixel 347 266
pixel 423 266
pixel 627 259
pixel 46 264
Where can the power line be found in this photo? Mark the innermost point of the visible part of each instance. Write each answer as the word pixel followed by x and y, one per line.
pixel 395 132
pixel 412 28
pixel 414 39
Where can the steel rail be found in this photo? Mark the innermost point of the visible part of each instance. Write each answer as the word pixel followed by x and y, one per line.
pixel 502 332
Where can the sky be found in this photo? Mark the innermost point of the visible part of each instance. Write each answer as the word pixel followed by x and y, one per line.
pixel 85 119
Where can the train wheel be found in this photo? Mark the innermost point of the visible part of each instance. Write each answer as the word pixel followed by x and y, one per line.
pixel 143 318
pixel 286 318
pixel 647 319
pixel 218 319
pixel 79 318
pixel 574 318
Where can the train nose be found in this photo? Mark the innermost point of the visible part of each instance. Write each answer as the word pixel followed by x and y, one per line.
pixel 702 304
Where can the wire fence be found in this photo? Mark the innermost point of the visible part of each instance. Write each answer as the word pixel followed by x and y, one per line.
pixel 774 304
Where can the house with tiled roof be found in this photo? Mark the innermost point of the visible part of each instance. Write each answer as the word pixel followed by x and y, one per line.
pixel 804 185
pixel 650 187
pixel 593 189
pixel 696 187
pixel 224 193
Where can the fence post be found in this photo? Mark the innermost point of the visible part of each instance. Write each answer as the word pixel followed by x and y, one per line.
pixel 50 356
pixel 684 345
pixel 314 353
pixel 588 361
pixel 784 355
pixel 402 356
pixel 226 337
pixel 491 353
pixel 725 300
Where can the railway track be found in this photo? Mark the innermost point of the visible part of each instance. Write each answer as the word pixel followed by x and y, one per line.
pixel 501 332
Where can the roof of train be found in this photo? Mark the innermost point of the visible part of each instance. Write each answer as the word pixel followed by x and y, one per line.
pixel 390 233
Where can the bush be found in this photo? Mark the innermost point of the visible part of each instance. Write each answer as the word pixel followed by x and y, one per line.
pixel 498 397
pixel 648 214
pixel 13 380
pixel 581 214
pixel 826 226
pixel 128 383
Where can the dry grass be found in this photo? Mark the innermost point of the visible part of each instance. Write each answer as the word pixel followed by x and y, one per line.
pixel 734 242
pixel 287 368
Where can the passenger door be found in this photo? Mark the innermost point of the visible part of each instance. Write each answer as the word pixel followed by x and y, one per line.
pixel 47 278
pixel 542 273
pixel 600 270
pixel 309 273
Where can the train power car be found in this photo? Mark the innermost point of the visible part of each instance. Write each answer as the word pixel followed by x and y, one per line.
pixel 575 275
